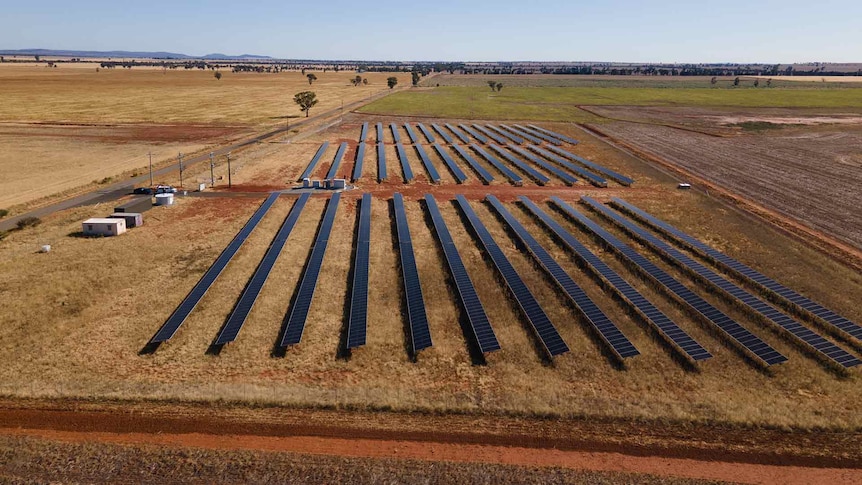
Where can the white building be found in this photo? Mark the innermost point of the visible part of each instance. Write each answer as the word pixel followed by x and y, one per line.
pixel 104 227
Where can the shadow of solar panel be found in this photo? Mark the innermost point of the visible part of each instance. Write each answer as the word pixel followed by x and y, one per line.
pixel 405 164
pixel 506 171
pixel 622 179
pixel 546 332
pixel 508 136
pixel 534 174
pixel 360 160
pixel 172 324
pixel 420 333
pixel 411 133
pixel 592 178
pixel 478 136
pixel 789 298
pixel 381 162
pixel 497 138
pixel 482 330
pixel 679 340
pixel 485 175
pixel 395 135
pixel 522 134
pixel 425 131
pixel 363 134
pixel 336 162
pixel 530 131
pixel 308 283
pixel 759 350
pixel 461 136
pixel 615 340
pixel 459 174
pixel 241 310
pixel 442 133
pixel 564 176
pixel 426 162
pixel 314 161
pixel 555 135
pixel 358 321
pixel 379 127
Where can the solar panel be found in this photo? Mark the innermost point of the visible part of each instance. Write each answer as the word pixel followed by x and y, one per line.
pixel 426 132
pixel 394 129
pixel 420 333
pixel 482 330
pixel 358 321
pixel 308 283
pixel 506 171
pixel 530 131
pixel 616 341
pixel 497 138
pixel 546 332
pixel 539 177
pixel 241 310
pixel 336 162
pixel 564 176
pixel 592 178
pixel 783 295
pixel 809 340
pixel 426 162
pixel 364 133
pixel 412 134
pixel 759 350
pixel 460 134
pixel 360 159
pixel 522 134
pixel 172 324
pixel 381 162
pixel 380 133
pixel 459 174
pixel 313 163
pixel 622 179
pixel 442 133
pixel 484 174
pixel 555 135
pixel 481 138
pixel 506 135
pixel 405 164
pixel 679 340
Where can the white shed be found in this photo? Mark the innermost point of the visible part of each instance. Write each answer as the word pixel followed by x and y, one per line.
pixel 104 227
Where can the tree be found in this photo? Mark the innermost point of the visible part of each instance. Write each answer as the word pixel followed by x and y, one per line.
pixel 713 80
pixel 756 82
pixel 492 85
pixel 736 81
pixel 217 75
pixel 416 78
pixel 391 81
pixel 499 86
pixel 365 81
pixel 356 80
pixel 311 78
pixel 769 82
pixel 306 100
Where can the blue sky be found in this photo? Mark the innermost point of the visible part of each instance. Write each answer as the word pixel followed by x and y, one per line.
pixel 551 30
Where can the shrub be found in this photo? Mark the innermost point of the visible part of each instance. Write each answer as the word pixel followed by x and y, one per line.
pixel 28 222
pixel 4 212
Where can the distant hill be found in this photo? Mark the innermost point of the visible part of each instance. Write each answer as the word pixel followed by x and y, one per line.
pixel 124 54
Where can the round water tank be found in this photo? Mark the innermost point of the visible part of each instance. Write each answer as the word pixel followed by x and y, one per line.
pixel 164 199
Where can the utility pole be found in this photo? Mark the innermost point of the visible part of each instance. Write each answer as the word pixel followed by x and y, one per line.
pixel 150 154
pixel 342 112
pixel 228 170
pixel 212 167
pixel 180 159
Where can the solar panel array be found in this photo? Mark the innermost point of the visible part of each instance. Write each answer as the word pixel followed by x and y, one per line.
pixel 241 310
pixel 426 162
pixel 756 347
pixel 509 136
pixel 336 162
pixel 482 330
pixel 670 331
pixel 425 131
pixel 564 176
pixel 622 179
pixel 618 343
pixel 546 332
pixel 314 161
pixel 497 138
pixel 442 133
pixel 380 133
pixel 810 340
pixel 539 177
pixel 357 323
pixel 360 159
pixel 792 299
pixel 592 178
pixel 411 133
pixel 484 174
pixel 539 134
pixel 364 133
pixel 459 174
pixel 555 135
pixel 172 324
pixel 460 134
pixel 395 135
pixel 481 138
pixel 420 333
pixel 308 283
pixel 381 162
pixel 405 164
pixel 522 134
pixel 506 171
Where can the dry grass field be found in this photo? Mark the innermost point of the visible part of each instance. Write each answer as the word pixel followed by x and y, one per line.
pixel 76 318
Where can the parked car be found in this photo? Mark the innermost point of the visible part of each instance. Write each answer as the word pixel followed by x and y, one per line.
pixel 143 190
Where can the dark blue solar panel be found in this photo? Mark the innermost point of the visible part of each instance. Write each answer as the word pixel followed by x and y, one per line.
pixel 420 333
pixel 394 129
pixel 478 136
pixel 544 329
pixel 530 131
pixel 459 174
pixel 442 133
pixel 380 133
pixel 360 159
pixel 482 330
pixel 592 178
pixel 460 134
pixel 622 179
pixel 299 313
pixel 405 164
pixel 364 133
pixel 243 307
pixel 497 138
pixel 506 171
pixel 426 162
pixel 670 331
pixel 311 165
pixel 752 344
pixel 381 162
pixel 506 135
pixel 358 321
pixel 809 340
pixel 484 174
pixel 539 177
pixel 411 133
pixel 618 343
pixel 425 131
pixel 336 162
pixel 523 134
pixel 786 296
pixel 564 176
pixel 555 135
pixel 172 324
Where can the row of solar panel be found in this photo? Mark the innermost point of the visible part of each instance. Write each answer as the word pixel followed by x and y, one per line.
pixel 501 134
